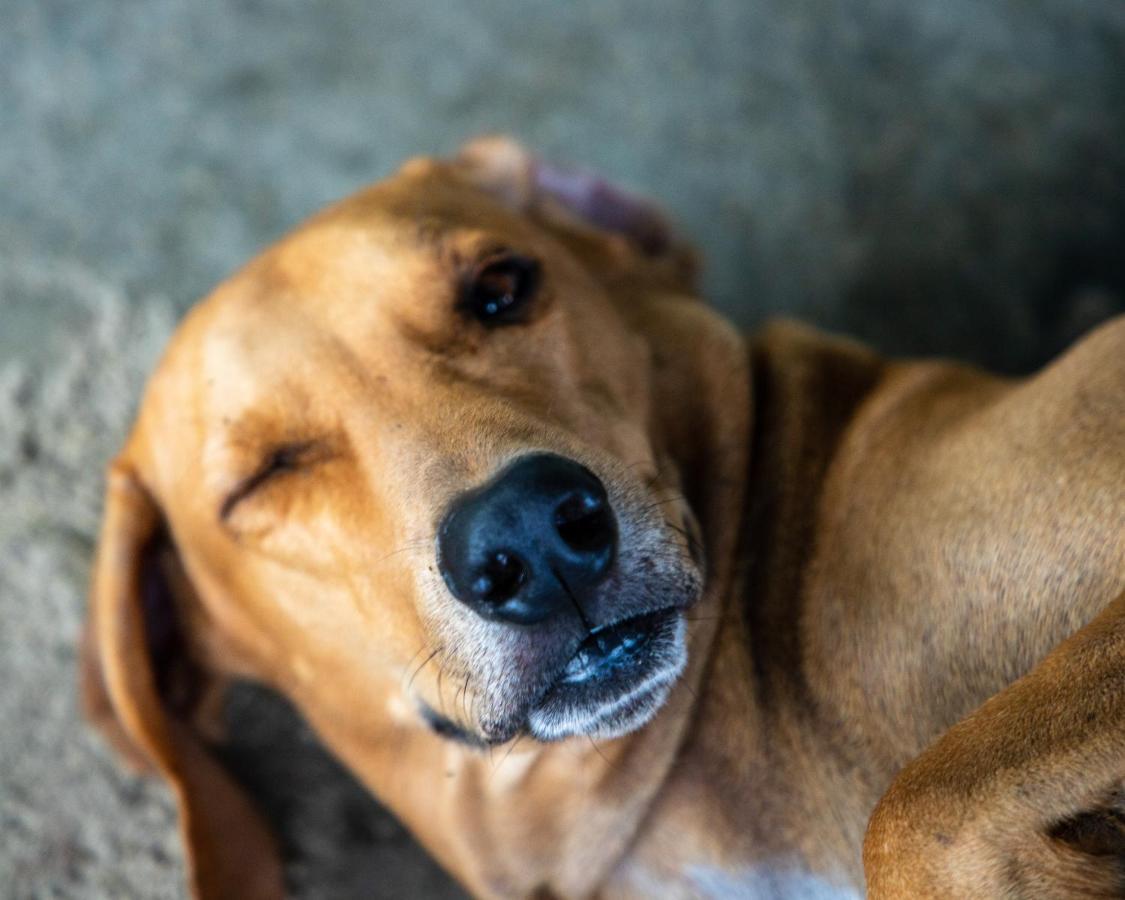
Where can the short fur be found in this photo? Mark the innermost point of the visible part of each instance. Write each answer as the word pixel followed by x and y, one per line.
pixel 909 619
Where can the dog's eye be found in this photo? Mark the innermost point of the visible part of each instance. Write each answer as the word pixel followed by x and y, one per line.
pixel 281 459
pixel 498 292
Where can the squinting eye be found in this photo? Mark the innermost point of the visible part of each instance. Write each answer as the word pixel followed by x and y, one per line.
pixel 283 458
pixel 499 291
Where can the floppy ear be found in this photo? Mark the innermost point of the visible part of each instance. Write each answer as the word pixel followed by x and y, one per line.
pixel 134 674
pixel 631 232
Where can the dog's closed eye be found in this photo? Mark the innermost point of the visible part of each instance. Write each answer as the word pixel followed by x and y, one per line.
pixel 500 290
pixel 280 460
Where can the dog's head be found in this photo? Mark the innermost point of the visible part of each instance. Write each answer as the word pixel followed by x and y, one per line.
pixel 436 447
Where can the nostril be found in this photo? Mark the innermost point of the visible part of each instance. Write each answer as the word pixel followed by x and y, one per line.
pixel 499 544
pixel 584 522
pixel 500 578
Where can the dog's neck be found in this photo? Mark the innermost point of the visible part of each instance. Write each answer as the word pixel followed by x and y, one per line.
pixel 744 742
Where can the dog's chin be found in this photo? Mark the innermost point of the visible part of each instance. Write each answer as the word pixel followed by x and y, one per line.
pixel 617 680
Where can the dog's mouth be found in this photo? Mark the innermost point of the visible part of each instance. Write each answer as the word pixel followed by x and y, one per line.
pixel 616 680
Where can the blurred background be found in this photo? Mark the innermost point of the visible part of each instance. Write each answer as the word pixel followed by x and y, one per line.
pixel 944 178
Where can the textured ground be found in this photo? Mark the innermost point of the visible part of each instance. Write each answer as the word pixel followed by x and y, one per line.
pixel 932 177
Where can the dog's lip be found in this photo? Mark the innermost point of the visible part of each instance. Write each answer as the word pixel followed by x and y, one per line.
pixel 613 646
pixel 616 673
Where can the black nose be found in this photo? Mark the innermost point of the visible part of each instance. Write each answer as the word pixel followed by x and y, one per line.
pixel 530 541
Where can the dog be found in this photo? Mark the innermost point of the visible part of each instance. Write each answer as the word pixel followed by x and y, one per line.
pixel 601 597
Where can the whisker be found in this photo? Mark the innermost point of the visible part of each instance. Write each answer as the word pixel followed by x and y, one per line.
pixel 409 546
pixel 440 698
pixel 465 701
pixel 679 498
pixel 460 692
pixel 598 750
pixel 410 662
pixel 475 698
pixel 519 738
pixel 425 662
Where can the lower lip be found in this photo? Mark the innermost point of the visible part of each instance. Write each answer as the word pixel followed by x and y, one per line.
pixel 615 680
pixel 612 650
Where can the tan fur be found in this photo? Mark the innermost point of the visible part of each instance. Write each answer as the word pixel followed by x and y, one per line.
pixel 889 545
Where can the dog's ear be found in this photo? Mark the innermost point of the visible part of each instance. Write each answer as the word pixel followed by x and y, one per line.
pixel 630 231
pixel 137 687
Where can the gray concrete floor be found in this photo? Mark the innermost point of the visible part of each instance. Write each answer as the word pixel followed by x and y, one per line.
pixel 932 177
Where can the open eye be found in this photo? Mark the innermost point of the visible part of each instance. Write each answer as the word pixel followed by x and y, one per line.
pixel 281 459
pixel 499 291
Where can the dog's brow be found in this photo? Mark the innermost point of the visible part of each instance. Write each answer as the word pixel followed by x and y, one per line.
pixel 445 240
pixel 433 233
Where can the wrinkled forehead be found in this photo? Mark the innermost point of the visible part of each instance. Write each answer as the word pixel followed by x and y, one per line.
pixel 386 256
pixel 422 213
pixel 327 307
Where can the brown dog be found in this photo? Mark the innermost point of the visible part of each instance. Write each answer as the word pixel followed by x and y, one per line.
pixel 460 463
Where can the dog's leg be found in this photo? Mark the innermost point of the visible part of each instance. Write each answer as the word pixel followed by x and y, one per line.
pixel 1023 797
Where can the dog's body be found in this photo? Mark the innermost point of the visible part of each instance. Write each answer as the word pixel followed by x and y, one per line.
pixel 843 558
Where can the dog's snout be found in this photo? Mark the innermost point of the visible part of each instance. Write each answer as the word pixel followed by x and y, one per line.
pixel 529 542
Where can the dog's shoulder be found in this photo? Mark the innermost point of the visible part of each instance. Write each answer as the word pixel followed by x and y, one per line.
pixel 1079 398
pixel 1097 358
